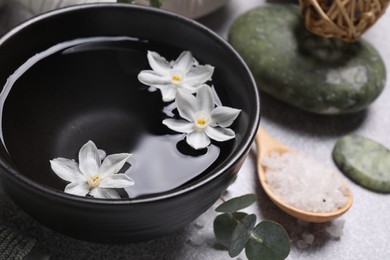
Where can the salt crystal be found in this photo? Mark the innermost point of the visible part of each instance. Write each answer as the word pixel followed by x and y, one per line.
pixel 308 238
pixel 196 239
pixel 199 224
pixel 301 244
pixel 304 183
pixel 335 229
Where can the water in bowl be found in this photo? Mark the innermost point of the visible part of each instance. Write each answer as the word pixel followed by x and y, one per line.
pixel 87 89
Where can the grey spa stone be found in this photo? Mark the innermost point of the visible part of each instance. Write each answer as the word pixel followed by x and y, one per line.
pixel 324 76
pixel 365 161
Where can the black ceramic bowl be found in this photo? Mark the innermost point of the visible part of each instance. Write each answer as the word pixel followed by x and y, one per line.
pixel 54 114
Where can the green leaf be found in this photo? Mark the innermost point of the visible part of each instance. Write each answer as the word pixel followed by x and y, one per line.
pixel 224 226
pixel 241 235
pixel 269 241
pixel 236 203
pixel 155 3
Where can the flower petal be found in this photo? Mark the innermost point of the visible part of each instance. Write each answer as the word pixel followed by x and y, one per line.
pixel 199 75
pixel 89 159
pixel 204 96
pixel 224 116
pixel 113 163
pixel 186 105
pixel 168 92
pixel 116 181
pixel 178 125
pixel 198 140
pixel 220 134
pixel 66 169
pixel 184 62
pixel 168 109
pixel 190 87
pixel 102 154
pixel 101 193
pixel 217 100
pixel 150 78
pixel 158 63
pixel 77 188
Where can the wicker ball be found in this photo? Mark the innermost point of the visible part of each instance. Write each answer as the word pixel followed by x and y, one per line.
pixel 344 19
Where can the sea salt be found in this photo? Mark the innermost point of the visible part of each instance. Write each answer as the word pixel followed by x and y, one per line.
pixel 304 183
pixel 308 238
pixel 306 241
pixel 335 230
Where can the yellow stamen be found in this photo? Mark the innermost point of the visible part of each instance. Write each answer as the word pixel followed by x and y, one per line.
pixel 201 121
pixel 176 78
pixel 94 181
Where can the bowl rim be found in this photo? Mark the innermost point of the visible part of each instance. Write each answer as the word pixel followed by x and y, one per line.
pixel 241 149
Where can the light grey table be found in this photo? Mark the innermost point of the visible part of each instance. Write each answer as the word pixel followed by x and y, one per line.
pixel 366 233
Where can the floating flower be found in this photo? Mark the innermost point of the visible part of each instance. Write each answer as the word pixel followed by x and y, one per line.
pixel 183 73
pixel 90 176
pixel 202 121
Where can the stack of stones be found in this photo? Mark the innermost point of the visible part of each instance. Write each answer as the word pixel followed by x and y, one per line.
pixel 324 76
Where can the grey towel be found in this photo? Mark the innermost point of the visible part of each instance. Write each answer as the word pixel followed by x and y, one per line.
pixel 13 246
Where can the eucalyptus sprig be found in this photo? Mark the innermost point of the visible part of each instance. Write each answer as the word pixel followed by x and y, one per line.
pixel 237 230
pixel 155 3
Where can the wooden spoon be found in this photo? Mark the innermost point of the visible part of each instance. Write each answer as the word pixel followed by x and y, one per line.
pixel 265 145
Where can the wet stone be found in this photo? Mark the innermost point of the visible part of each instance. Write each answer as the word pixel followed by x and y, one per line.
pixel 364 161
pixel 325 76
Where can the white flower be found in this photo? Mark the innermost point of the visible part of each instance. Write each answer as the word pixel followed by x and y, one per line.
pixel 201 121
pixel 183 73
pixel 90 176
